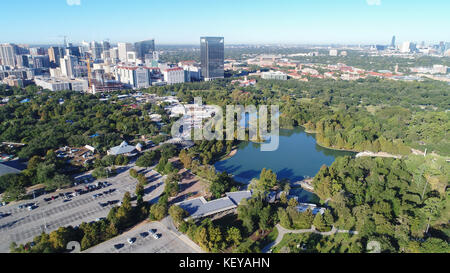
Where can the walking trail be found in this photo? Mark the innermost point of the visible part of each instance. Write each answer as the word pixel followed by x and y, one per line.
pixel 282 231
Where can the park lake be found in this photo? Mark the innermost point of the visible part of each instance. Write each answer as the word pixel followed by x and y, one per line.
pixel 297 157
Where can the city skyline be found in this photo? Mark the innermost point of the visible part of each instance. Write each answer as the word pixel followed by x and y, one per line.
pixel 180 22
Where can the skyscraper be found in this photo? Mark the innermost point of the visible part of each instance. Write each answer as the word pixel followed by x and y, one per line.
pixel 405 47
pixel 96 50
pixel 67 65
pixel 123 48
pixel 393 42
pixel 55 54
pixel 8 54
pixel 106 45
pixel 212 57
pixel 144 47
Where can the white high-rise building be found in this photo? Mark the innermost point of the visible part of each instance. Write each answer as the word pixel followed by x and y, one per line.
pixel 136 77
pixel 123 49
pixel 8 54
pixel 405 47
pixel 67 66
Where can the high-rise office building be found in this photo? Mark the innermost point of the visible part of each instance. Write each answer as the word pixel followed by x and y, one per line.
pixel 68 64
pixel 73 50
pixel 54 55
pixel 23 61
pixel 123 48
pixel 144 47
pixel 405 47
pixel 106 45
pixel 212 57
pixel 8 54
pixel 40 61
pixel 96 50
pixel 393 42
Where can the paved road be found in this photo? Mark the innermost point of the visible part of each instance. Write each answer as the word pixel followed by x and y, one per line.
pixel 282 231
pixel 22 226
pixel 169 242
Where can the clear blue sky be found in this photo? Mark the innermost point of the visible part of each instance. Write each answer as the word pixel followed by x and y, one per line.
pixel 239 21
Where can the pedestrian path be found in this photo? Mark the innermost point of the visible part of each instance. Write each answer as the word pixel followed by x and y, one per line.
pixel 282 231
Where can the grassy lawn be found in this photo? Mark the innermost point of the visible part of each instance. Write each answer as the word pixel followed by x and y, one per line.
pixel 314 243
pixel 272 236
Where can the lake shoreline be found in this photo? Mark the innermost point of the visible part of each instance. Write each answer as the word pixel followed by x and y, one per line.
pixel 284 132
pixel 236 149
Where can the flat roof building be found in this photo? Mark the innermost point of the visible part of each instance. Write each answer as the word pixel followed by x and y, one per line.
pixel 274 75
pixel 199 207
pixel 60 84
pixel 174 75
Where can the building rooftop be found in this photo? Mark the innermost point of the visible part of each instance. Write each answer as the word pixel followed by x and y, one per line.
pixel 123 148
pixel 302 207
pixel 237 196
pixel 199 207
pixel 9 167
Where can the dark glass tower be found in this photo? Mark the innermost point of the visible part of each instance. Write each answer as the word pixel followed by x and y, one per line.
pixel 143 48
pixel 212 57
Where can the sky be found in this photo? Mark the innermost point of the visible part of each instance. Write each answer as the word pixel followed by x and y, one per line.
pixel 239 21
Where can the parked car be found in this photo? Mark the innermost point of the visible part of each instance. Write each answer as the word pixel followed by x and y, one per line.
pixel 118 246
pixel 131 240
pixel 156 236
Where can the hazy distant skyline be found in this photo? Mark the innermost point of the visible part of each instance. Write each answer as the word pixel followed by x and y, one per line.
pixel 239 21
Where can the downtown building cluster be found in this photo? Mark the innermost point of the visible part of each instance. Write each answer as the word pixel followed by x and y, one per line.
pixel 102 67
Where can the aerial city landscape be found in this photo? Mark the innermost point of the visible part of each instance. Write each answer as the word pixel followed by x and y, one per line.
pixel 90 160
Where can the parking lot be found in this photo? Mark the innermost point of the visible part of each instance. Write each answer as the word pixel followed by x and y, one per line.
pixel 143 242
pixel 21 225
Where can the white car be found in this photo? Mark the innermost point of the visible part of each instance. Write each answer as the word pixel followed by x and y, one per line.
pixel 131 240
pixel 156 236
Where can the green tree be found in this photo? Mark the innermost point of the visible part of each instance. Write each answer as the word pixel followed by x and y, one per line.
pixel 234 235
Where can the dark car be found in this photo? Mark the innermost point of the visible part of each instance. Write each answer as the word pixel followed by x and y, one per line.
pixel 113 202
pixel 118 246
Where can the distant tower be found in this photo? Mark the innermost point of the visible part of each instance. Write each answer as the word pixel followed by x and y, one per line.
pixel 393 42
pixel 212 57
pixel 396 69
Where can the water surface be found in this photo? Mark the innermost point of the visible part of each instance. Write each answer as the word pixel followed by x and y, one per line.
pixel 297 157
